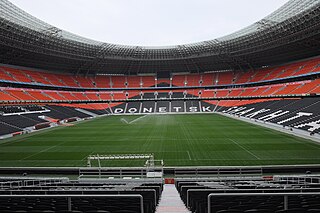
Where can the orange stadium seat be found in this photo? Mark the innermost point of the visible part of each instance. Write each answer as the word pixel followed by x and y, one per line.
pixel 84 82
pixel 38 95
pixel 18 75
pixel 5 76
pixel 193 80
pixel 119 95
pixel 105 95
pixel 287 89
pixel 179 80
pixel 148 81
pixel 208 79
pixel 101 81
pixel 134 81
pixel 91 95
pixel 118 81
pixel 5 96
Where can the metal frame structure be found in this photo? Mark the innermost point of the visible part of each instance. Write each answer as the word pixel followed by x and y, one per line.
pixel 290 33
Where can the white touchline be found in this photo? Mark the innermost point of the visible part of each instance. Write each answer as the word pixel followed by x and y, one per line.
pixel 244 149
pixel 189 155
pixel 137 119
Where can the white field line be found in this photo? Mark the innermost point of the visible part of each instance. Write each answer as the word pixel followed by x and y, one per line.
pixel 124 120
pixel 137 119
pixel 246 159
pixel 85 157
pixel 44 150
pixel 244 149
pixel 189 155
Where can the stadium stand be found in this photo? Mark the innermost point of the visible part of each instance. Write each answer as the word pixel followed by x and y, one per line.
pixel 267 73
pixel 63 195
pixel 294 70
pixel 295 113
pixel 233 194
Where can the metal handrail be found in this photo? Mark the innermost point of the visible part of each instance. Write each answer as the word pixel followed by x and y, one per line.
pixel 285 196
pixel 218 171
pixel 265 191
pixel 69 197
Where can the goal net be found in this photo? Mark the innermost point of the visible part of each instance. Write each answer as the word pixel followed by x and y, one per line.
pixel 151 168
pixel 99 158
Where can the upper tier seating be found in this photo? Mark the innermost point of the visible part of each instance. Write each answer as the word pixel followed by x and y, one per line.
pixel 296 88
pixel 206 79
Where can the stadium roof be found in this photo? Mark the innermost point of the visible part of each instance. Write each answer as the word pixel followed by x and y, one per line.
pixel 290 33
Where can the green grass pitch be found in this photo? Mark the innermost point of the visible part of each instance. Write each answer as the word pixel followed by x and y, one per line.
pixel 180 140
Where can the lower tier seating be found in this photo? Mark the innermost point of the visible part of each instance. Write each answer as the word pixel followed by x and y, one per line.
pixel 295 113
pixel 16 118
pixel 251 194
pixel 76 196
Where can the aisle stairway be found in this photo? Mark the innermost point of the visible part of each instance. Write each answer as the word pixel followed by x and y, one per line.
pixel 170 201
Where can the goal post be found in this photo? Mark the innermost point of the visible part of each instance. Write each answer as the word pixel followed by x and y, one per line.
pixel 151 169
pixel 149 158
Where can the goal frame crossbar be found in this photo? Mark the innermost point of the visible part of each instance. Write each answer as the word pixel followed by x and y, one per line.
pixel 149 157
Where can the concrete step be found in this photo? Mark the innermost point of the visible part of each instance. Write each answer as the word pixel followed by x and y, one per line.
pixel 170 201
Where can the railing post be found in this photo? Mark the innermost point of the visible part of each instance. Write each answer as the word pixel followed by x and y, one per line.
pixel 141 204
pixel 209 204
pixel 69 203
pixel 187 197
pixel 285 202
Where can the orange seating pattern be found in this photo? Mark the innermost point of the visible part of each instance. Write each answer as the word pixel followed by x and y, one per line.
pixel 205 79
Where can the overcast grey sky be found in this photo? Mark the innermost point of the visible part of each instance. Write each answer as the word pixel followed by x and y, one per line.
pixel 150 22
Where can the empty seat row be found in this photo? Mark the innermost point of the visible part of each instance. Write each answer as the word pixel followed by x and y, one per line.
pixel 215 78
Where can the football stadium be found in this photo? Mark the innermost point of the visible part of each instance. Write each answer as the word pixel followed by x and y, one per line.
pixel 226 125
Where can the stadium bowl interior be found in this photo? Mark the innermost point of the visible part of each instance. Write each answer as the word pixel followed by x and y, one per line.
pixel 226 125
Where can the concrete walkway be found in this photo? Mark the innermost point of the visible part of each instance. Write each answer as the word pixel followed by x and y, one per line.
pixel 170 201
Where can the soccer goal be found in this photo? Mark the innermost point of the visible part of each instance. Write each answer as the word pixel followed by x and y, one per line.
pixel 149 158
pixel 151 168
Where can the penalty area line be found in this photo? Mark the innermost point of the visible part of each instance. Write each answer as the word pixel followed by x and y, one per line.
pixel 124 120
pixel 189 155
pixel 137 119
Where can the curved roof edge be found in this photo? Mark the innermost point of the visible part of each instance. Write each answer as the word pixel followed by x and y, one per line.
pixel 290 33
pixel 293 7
